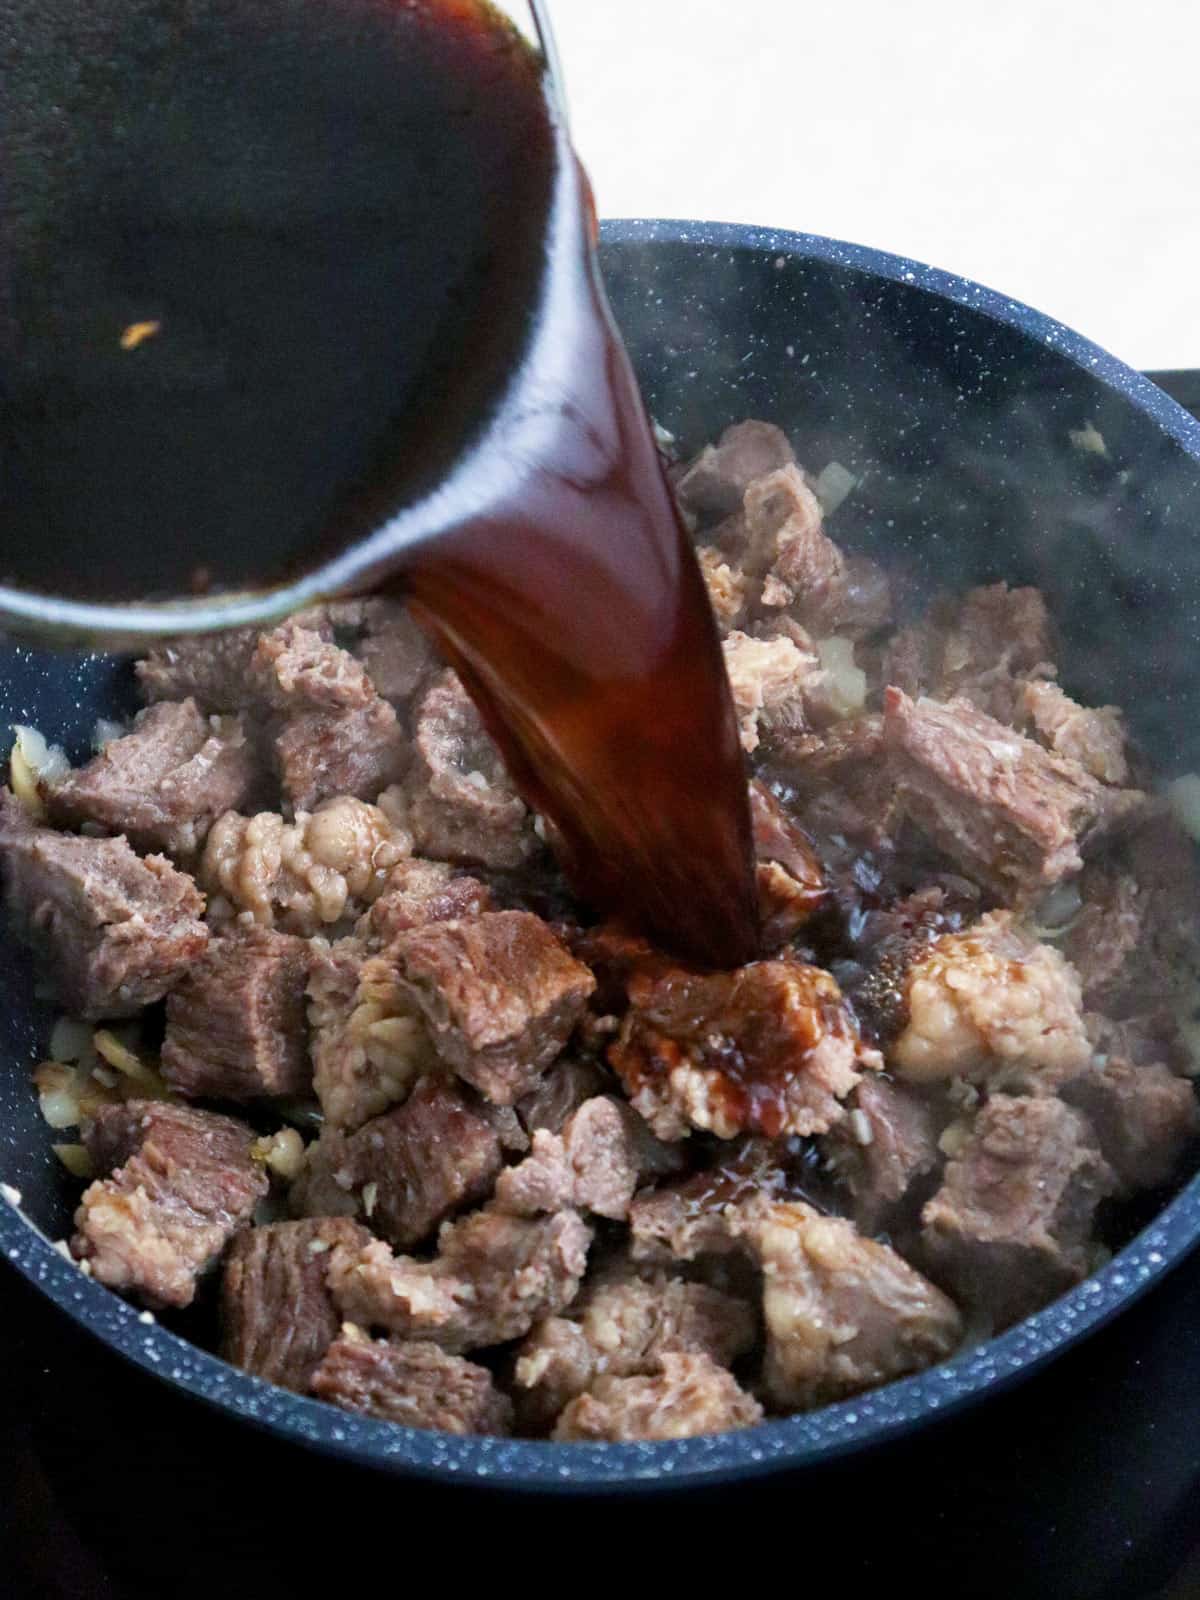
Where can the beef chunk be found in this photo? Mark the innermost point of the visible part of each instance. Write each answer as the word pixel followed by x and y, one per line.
pixel 886 1153
pixel 1135 942
pixel 212 668
pixel 769 1048
pixel 277 1315
pixel 1009 1228
pixel 406 1171
pixel 461 803
pixel 713 485
pixel 982 648
pixel 235 1021
pixel 114 930
pixel 500 994
pixel 163 784
pixel 1012 815
pixel 299 876
pixel 729 587
pixel 1094 738
pixel 395 651
pixel 297 669
pixel 415 1385
pixel 418 892
pixel 840 783
pixel 494 1277
pixel 769 680
pixel 990 1000
pixel 369 1042
pixel 181 1183
pixel 621 1325
pixel 1143 1116
pixel 680 1223
pixel 791 885
pixel 358 751
pixel 557 1096
pixel 689 1395
pixel 843 1313
pixel 604 1152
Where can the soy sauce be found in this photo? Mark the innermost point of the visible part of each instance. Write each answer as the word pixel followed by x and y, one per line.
pixel 310 284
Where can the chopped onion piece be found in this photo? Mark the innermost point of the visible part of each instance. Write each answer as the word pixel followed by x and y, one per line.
pixel 1183 797
pixel 75 1158
pixel 119 1055
pixel 1088 439
pixel 833 485
pixel 71 1041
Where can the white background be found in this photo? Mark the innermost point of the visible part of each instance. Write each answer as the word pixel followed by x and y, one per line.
pixel 1049 148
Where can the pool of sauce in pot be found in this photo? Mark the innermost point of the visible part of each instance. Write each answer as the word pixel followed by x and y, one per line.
pixel 288 278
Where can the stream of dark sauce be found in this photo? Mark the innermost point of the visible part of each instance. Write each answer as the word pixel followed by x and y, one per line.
pixel 285 279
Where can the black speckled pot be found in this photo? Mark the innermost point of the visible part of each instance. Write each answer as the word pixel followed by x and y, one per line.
pixel 957 405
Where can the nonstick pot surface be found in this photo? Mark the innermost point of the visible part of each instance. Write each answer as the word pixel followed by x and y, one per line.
pixel 956 407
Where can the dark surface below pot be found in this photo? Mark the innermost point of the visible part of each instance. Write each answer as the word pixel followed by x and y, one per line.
pixel 1081 1483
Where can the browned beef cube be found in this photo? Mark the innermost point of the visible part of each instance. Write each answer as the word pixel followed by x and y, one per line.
pixel 115 931
pixel 983 648
pixel 791 885
pixel 413 1384
pixel 236 1027
pixel 1143 1116
pixel 841 781
pixel 369 1042
pixel 461 804
pixel 408 1170
pixel 730 587
pixel 1094 737
pixel 212 668
pixel 395 651
pixel 418 892
pixel 714 483
pixel 843 1313
pixel 494 1276
pixel 604 1152
pixel 770 1048
pixel 689 1395
pixel 165 783
pixel 500 994
pixel 181 1183
pixel 1010 1226
pixel 621 1325
pixel 1012 815
pixel 769 680
pixel 295 669
pixel 691 1220
pixel 886 1152
pixel 358 751
pixel 277 1315
pixel 557 1096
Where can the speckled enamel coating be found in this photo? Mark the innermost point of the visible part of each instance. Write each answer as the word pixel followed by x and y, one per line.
pixel 957 403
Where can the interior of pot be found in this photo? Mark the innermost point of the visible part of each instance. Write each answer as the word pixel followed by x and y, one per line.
pixel 956 411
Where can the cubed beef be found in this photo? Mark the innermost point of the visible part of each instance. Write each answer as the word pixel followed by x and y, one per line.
pixel 494 1276
pixel 1143 1116
pixel 211 668
pixel 415 1385
pixel 558 1095
pixel 982 648
pixel 500 994
pixel 406 1171
pixel 418 892
pixel 1095 738
pixel 164 783
pixel 680 1223
pixel 369 1042
pixel 621 1324
pixel 1136 941
pixel 395 651
pixel 689 1395
pixel 180 1183
pixel 461 805
pixel 840 781
pixel 296 669
pixel 791 885
pixel 598 1161
pixel 236 1026
pixel 358 751
pixel 886 1153
pixel 770 1048
pixel 713 484
pixel 768 679
pixel 1010 1226
pixel 277 1315
pixel 729 587
pixel 299 876
pixel 1012 815
pixel 114 930
pixel 990 1001
pixel 843 1313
